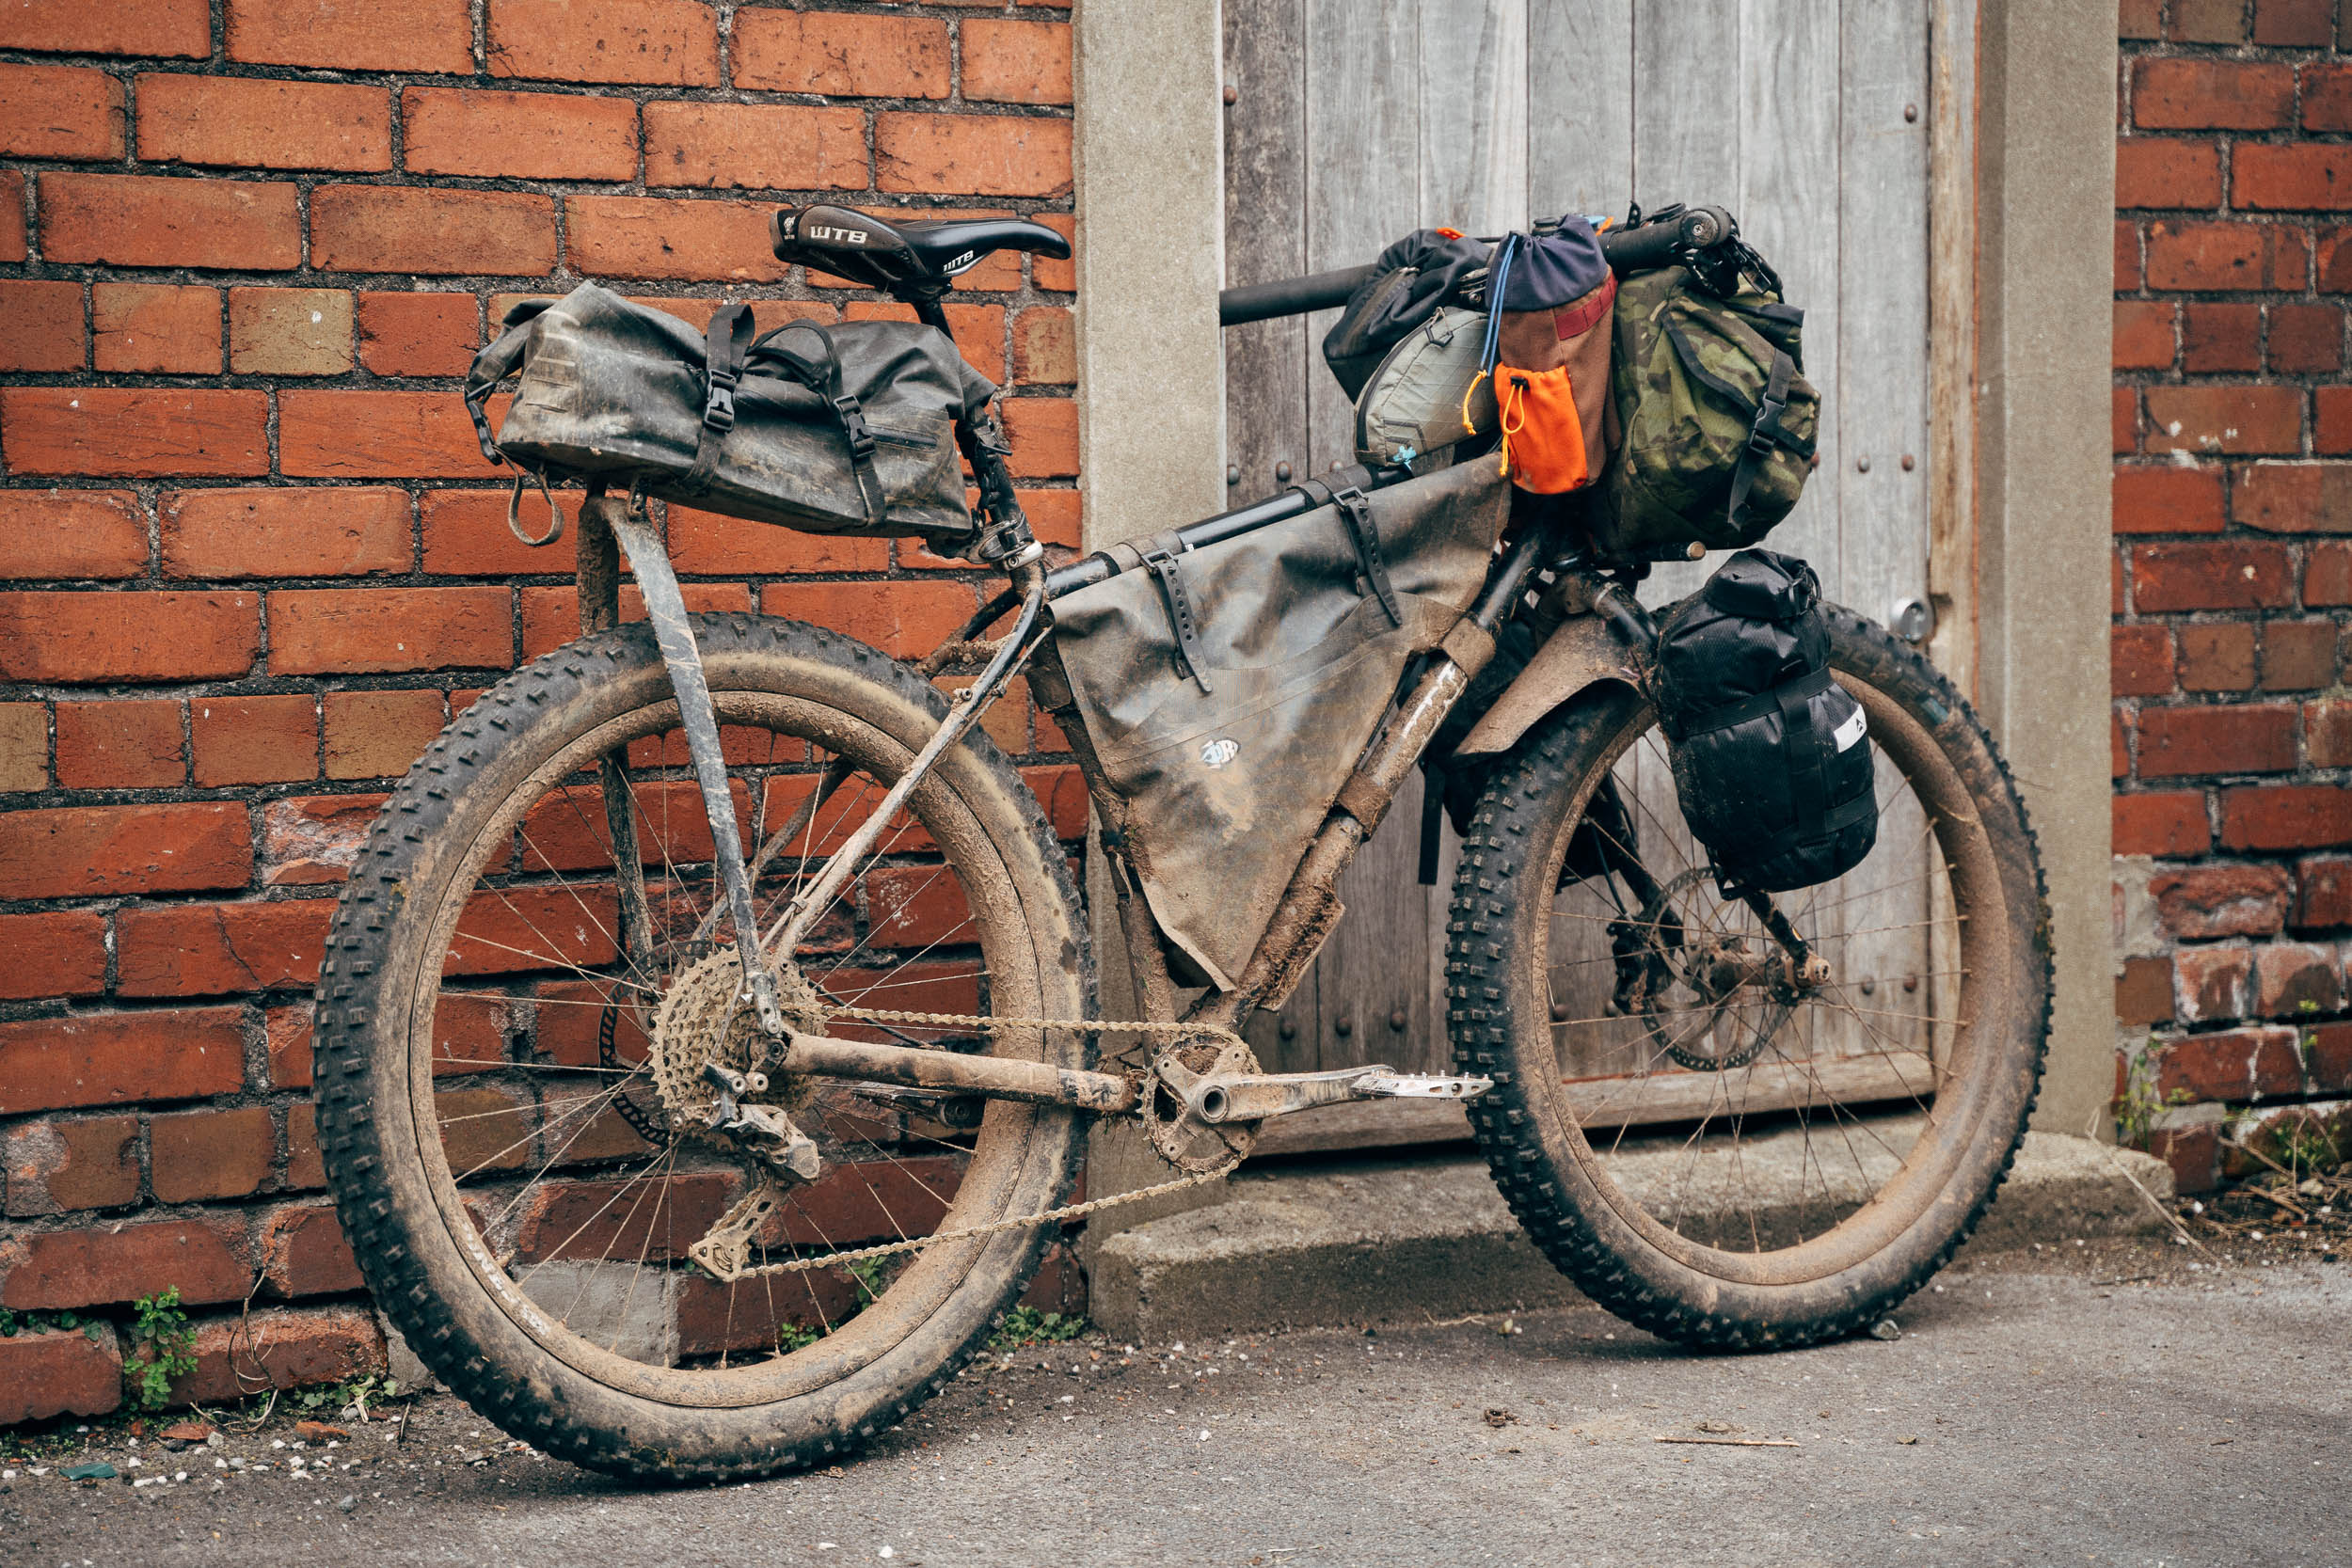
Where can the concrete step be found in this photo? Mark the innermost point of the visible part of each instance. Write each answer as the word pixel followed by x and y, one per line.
pixel 1411 1240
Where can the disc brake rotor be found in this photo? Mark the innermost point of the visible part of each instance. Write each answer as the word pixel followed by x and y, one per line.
pixel 1717 1005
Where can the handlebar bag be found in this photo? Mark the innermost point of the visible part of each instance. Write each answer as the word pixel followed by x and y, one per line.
pixel 848 429
pixel 1716 418
pixel 1227 693
pixel 1427 396
pixel 1548 341
pixel 1410 280
pixel 1772 757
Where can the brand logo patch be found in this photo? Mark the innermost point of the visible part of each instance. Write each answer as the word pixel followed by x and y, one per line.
pixel 839 236
pixel 1851 731
pixel 1217 752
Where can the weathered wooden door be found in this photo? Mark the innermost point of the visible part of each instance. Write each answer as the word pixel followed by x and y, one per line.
pixel 1353 121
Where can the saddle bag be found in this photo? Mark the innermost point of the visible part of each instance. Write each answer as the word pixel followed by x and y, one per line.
pixel 1229 691
pixel 1772 757
pixel 848 429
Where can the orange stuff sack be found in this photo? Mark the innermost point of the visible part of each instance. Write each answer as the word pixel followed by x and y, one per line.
pixel 1549 335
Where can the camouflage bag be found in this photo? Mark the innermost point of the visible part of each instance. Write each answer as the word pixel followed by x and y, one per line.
pixel 1716 418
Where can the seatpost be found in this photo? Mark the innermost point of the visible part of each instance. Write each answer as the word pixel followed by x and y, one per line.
pixel 1007 542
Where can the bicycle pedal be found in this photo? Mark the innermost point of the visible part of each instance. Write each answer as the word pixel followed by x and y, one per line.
pixel 1420 1085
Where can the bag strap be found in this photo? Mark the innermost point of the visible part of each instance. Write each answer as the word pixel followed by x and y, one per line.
pixel 1159 554
pixel 728 347
pixel 1355 509
pixel 726 343
pixel 1765 431
pixel 1802 689
pixel 491 366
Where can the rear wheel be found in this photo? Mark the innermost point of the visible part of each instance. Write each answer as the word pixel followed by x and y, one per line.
pixel 1714 1150
pixel 512 1030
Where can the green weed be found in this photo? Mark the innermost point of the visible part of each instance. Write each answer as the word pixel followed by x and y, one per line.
pixel 163 1349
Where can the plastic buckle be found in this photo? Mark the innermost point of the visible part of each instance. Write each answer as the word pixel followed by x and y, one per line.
pixel 854 425
pixel 719 410
pixel 1764 435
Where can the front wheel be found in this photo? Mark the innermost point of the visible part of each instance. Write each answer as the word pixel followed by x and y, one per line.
pixel 514 1021
pixel 1710 1149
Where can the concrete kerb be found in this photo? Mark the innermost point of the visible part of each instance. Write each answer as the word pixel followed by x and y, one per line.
pixel 1427 1239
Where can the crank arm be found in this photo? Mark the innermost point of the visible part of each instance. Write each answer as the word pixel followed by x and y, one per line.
pixel 1255 1097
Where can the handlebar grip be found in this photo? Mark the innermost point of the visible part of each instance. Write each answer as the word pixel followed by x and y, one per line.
pixel 1657 245
pixel 1289 297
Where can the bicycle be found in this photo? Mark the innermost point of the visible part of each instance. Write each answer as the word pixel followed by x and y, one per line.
pixel 708 1032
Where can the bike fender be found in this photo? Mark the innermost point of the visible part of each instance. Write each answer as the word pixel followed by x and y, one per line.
pixel 1584 650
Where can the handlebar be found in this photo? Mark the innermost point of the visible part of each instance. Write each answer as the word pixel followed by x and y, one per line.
pixel 1653 244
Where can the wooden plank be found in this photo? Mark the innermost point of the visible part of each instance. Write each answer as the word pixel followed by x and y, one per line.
pixel 1580 107
pixel 1951 337
pixel 1848 1083
pixel 1373 995
pixel 1266 363
pixel 1473 115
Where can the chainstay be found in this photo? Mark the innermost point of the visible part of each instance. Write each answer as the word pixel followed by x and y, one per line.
pixel 1051 1217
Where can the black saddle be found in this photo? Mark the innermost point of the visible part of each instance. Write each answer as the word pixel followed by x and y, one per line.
pixel 901 257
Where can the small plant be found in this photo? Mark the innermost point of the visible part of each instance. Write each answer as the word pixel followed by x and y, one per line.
pixel 163 1349
pixel 14 1323
pixel 2136 1108
pixel 1026 1326
pixel 868 1278
pixel 792 1336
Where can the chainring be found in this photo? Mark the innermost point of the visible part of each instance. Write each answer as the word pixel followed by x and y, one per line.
pixel 1177 1135
pixel 703 1019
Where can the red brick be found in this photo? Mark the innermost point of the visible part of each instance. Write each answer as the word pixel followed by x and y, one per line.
pixel 40 325
pixel 23 747
pixel 917 907
pixel 2233 419
pixel 2140 18
pixel 902 619
pixel 1016 62
pixel 2168 822
pixel 375 735
pixel 59 1371
pixel 582 1220
pixel 2323 893
pixel 526 136
pixel 972 154
pixel 2215 576
pixel 242 740
pixel 1062 792
pixel 2118 745
pixel 979 330
pixel 758 146
pixel 2193 1151
pixel 2296 23
pixel 2328 575
pixel 71 533
pixel 314 839
pixel 2208 21
pixel 2326 733
pixel 2167 499
pixel 182 28
pixel 119 745
pixel 669 42
pixel 110 1058
pixel 2201 902
pixel 293 1350
pixel 2294 498
pixel 2305 338
pixel 2224 256
pixel 466 534
pixel 2327 98
pixel 2175 741
pixel 2328 1057
pixel 2207 94
pixel 12 215
pixel 2293 978
pixel 342 434
pixel 2286 816
pixel 286 1033
pixel 48 111
pixel 333 630
pixel 205 1154
pixel 419 334
pixel 135 220
pixel 2140 660
pixel 2307 176
pixel 862 1201
pixel 551 616
pixel 285 534
pixel 2331 419
pixel 55 1167
pixel 245 122
pixel 220 949
pixel 2218 656
pixel 2241 1064
pixel 2143 992
pixel 840 56
pixel 2298 656
pixel 2167 171
pixel 382 35
pixel 2143 335
pixel 2127 262
pixel 636 236
pixel 708 544
pixel 155 328
pixel 53 953
pixel 81 638
pixel 2221 337
pixel 1046 346
pixel 289 331
pixel 1044 435
pixel 305 1167
pixel 406 229
pixel 2212 983
pixel 135 431
pixel 304 1253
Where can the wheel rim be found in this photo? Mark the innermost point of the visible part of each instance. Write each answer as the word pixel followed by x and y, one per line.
pixel 1817 1147
pixel 575 1222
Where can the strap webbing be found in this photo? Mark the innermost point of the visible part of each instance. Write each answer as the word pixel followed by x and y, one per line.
pixel 1159 554
pixel 1764 433
pixel 1355 509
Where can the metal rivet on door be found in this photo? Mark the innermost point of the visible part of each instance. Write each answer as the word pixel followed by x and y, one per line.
pixel 1913 620
pixel 1281 474
pixel 1232 473
pixel 1343 1025
pixel 1397 1021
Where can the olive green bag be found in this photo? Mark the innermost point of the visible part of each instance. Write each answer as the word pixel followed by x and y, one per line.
pixel 1717 419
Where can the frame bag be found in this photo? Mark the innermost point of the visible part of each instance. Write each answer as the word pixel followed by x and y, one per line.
pixel 1772 757
pixel 848 429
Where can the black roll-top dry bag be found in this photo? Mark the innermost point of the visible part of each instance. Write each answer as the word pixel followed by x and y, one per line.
pixel 1771 756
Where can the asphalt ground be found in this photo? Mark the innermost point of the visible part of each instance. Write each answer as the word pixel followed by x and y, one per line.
pixel 2134 1403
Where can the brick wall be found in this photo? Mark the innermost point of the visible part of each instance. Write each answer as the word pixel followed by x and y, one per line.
pixel 252 556
pixel 2232 732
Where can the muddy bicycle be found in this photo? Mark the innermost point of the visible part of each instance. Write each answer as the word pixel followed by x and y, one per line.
pixel 707 1035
